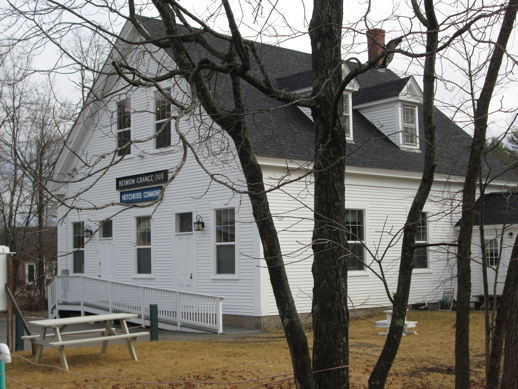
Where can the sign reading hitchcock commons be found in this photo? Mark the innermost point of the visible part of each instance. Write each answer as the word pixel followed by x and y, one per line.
pixel 140 180
pixel 135 196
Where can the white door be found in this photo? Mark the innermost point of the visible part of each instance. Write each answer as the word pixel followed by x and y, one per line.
pixel 105 259
pixel 184 254
pixel 184 262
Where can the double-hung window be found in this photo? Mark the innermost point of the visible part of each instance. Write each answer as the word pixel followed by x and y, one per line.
pixel 162 120
pixel 421 253
pixel 347 122
pixel 409 125
pixel 225 241
pixel 78 244
pixel 355 230
pixel 143 231
pixel 492 251
pixel 124 127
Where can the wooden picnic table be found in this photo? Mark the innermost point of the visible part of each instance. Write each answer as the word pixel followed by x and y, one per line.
pixel 107 333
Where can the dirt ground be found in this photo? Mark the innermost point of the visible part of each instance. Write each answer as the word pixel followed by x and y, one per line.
pixel 424 361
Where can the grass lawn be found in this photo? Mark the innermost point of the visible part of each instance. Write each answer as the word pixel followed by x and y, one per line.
pixel 424 361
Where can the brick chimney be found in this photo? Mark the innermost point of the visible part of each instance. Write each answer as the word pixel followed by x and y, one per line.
pixel 375 43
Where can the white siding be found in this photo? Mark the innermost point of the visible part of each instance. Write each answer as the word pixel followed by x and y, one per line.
pixel 386 201
pixel 192 189
pixel 505 244
pixel 385 118
pixel 384 198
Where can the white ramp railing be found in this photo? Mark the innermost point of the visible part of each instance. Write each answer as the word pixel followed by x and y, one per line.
pixel 190 310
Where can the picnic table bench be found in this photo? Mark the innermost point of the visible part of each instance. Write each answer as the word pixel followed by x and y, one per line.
pixel 106 334
pixel 386 324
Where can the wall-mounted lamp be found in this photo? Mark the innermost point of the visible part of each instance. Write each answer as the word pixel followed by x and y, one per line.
pixel 510 235
pixel 87 231
pixel 199 225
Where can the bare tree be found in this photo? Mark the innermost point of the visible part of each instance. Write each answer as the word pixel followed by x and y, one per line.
pixel 30 142
pixel 238 61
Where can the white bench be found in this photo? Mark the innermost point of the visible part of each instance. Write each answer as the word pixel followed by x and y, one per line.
pixel 386 324
pixel 93 331
pixel 98 339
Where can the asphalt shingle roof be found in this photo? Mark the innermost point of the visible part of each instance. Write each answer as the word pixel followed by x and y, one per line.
pixel 379 92
pixel 500 208
pixel 286 132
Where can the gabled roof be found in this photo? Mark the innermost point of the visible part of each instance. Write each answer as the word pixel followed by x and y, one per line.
pixel 286 132
pixel 381 91
pixel 500 208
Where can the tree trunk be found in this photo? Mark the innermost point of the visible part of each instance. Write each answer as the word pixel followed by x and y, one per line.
pixel 510 373
pixel 330 312
pixel 233 123
pixel 380 372
pixel 505 326
pixel 462 363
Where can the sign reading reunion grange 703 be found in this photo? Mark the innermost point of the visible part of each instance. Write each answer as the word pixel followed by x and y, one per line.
pixel 135 196
pixel 139 180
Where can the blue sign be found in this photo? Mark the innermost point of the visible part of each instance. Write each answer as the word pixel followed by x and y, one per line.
pixel 136 196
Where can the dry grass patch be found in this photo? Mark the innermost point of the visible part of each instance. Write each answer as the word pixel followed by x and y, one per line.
pixel 425 361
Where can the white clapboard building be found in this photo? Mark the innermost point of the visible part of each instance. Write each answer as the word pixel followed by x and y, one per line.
pixel 199 240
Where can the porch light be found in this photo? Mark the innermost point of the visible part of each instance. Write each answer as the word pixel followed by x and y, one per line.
pixel 199 225
pixel 87 232
pixel 510 235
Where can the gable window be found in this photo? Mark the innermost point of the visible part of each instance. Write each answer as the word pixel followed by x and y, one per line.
pixel 143 231
pixel 78 245
pixel 355 231
pixel 409 125
pixel 106 230
pixel 492 251
pixel 421 253
pixel 347 117
pixel 30 272
pixel 124 127
pixel 162 125
pixel 225 241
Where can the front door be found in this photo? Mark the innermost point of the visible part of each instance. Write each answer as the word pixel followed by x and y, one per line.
pixel 105 255
pixel 184 256
pixel 105 259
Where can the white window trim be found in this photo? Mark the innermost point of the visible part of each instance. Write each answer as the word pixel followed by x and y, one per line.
pixel 73 249
pixel 100 226
pixel 143 213
pixel 175 213
pixel 492 241
pixel 130 154
pixel 348 114
pixel 27 264
pixel 360 207
pixel 214 208
pixel 428 253
pixel 155 122
pixel 403 144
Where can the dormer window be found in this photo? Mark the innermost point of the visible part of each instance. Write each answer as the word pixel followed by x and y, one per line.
pixel 409 126
pixel 347 116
